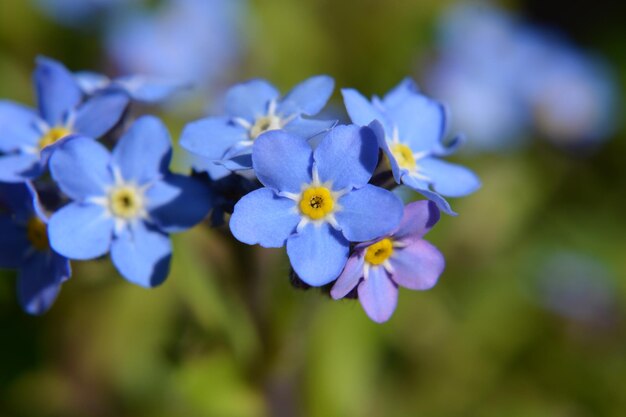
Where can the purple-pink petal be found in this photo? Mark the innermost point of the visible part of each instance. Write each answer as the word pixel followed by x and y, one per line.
pixel 417 266
pixel 378 295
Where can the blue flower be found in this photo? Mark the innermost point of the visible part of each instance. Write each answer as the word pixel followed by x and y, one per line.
pixel 28 136
pixel 253 108
pixel 141 88
pixel 414 128
pixel 403 258
pixel 125 202
pixel 316 201
pixel 24 246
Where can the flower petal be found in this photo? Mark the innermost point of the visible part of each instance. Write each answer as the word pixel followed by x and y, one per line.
pixel 39 281
pixel 406 88
pixel 359 108
pixel 178 202
pixel 307 128
pixel 264 218
pixel 349 278
pixel 418 218
pixel 13 243
pixel 308 97
pixel 91 82
pixel 144 152
pixel 422 188
pixel 347 156
pixel 80 166
pixel 149 89
pixel 378 295
pixel 80 231
pixel 449 179
pixel 99 114
pixel 18 126
pixel 212 137
pixel 318 254
pixel 249 100
pixel 417 266
pixel 421 122
pixel 142 255
pixel 58 92
pixel 368 213
pixel 282 161
pixel 19 167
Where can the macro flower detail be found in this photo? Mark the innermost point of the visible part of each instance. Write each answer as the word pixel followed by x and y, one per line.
pixel 403 258
pixel 125 202
pixel 253 108
pixel 24 246
pixel 316 201
pixel 414 128
pixel 29 137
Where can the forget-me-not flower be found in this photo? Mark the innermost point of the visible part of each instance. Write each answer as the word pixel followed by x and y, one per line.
pixel 403 258
pixel 253 108
pixel 24 246
pixel 28 136
pixel 125 202
pixel 414 128
pixel 316 201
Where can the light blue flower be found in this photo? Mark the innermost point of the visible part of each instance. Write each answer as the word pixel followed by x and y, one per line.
pixel 196 41
pixel 403 258
pixel 24 246
pixel 29 136
pixel 316 201
pixel 253 108
pixel 414 126
pixel 125 202
pixel 140 88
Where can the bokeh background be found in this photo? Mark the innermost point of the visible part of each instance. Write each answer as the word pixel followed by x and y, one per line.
pixel 527 320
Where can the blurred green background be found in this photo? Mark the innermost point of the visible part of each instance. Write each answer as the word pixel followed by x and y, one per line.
pixel 227 335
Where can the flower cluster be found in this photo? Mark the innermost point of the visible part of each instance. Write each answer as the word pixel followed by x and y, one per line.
pixel 80 180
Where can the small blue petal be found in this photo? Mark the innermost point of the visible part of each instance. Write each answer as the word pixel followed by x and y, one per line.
pixel 142 255
pixel 249 100
pixel 449 179
pixel 238 163
pixel 347 156
pixel 81 231
pixel 421 122
pixel 91 82
pixel 406 88
pixel 308 97
pixel 39 281
pixel 144 152
pixel 282 161
pixel 13 242
pixel 18 127
pixel 148 89
pixel 212 137
pixel 318 254
pixel 307 128
pixel 422 188
pixel 178 202
pixel 99 114
pixel 18 199
pixel 261 217
pixel 19 167
pixel 58 92
pixel 378 295
pixel 360 110
pixel 368 213
pixel 80 166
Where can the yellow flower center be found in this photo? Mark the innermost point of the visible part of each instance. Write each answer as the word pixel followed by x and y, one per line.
pixel 403 156
pixel 264 124
pixel 53 135
pixel 316 202
pixel 125 202
pixel 37 233
pixel 379 252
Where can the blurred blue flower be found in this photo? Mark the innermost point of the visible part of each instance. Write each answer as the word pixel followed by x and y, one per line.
pixel 403 258
pixel 24 246
pixel 29 136
pixel 140 88
pixel 192 40
pixel 253 108
pixel 414 128
pixel 316 201
pixel 125 202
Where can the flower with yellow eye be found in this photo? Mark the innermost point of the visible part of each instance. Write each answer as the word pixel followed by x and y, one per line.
pixel 316 201
pixel 29 136
pixel 414 127
pixel 24 246
pixel 252 109
pixel 126 202
pixel 403 258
